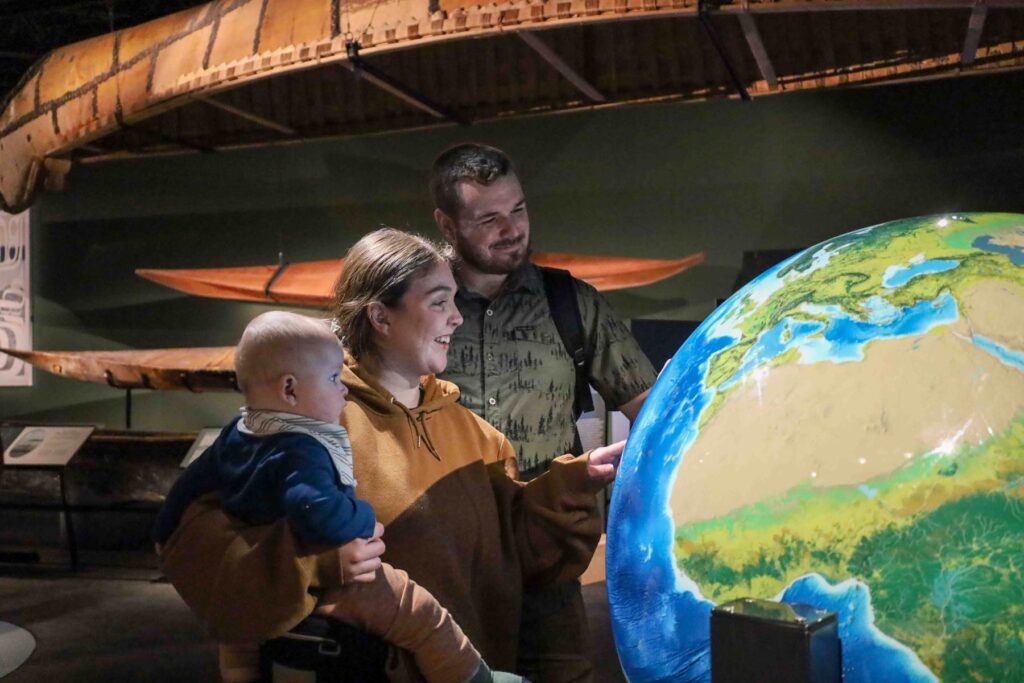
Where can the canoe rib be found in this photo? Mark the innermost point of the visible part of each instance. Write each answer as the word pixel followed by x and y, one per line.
pixel 311 283
pixel 196 370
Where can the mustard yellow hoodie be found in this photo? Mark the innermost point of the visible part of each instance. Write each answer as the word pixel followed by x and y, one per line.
pixel 438 478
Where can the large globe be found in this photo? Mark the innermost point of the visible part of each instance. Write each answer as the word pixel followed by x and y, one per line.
pixel 846 431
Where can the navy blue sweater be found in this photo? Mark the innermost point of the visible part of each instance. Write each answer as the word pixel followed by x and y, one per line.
pixel 264 478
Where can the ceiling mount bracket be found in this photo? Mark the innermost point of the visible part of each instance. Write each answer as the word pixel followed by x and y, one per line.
pixel 560 65
pixel 704 8
pixel 975 25
pixel 756 45
pixel 372 74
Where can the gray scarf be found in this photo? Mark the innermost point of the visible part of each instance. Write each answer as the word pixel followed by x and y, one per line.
pixel 333 437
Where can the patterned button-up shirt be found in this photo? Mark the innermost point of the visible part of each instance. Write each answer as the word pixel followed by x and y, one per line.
pixel 513 370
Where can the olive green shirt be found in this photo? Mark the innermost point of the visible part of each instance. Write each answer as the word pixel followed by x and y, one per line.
pixel 513 370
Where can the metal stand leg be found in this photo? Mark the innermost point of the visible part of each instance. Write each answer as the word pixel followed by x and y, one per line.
pixel 68 522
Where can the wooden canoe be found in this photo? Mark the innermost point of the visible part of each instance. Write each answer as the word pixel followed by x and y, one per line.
pixel 311 283
pixel 198 369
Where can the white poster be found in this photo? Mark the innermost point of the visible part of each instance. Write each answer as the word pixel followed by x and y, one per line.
pixel 591 425
pixel 15 299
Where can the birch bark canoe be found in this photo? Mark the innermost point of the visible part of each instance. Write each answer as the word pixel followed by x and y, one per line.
pixel 235 73
pixel 311 283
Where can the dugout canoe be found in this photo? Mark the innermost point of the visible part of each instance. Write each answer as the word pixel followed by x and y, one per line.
pixel 311 283
pixel 197 369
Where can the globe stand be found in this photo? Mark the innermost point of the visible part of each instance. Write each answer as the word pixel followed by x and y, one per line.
pixel 766 641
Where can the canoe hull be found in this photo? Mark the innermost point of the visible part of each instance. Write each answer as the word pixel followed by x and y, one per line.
pixel 311 283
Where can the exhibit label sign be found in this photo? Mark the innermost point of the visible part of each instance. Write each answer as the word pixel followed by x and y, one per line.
pixel 204 440
pixel 46 446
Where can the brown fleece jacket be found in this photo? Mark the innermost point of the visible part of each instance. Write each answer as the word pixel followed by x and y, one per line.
pixel 455 521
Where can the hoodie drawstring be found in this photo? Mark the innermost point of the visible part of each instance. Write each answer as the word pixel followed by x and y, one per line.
pixel 426 436
pixel 419 427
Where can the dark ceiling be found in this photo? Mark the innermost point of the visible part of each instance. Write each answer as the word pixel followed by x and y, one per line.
pixel 31 28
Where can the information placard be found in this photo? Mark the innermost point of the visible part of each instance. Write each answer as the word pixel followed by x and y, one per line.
pixel 46 446
pixel 203 441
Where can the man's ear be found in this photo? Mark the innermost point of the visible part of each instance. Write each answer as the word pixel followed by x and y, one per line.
pixel 287 386
pixel 445 224
pixel 379 317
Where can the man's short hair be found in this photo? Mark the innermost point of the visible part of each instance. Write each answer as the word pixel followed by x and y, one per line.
pixel 469 161
pixel 276 343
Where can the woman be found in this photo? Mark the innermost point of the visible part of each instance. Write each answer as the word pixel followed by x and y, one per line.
pixel 437 475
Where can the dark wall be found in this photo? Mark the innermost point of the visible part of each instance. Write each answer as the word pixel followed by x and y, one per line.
pixel 655 181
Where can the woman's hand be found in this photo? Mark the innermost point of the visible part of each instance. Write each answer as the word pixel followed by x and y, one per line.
pixel 604 462
pixel 360 559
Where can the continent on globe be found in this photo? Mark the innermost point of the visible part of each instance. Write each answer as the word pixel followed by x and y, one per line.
pixel 846 431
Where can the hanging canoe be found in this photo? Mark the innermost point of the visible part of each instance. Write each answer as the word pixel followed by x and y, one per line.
pixel 303 284
pixel 236 73
pixel 311 283
pixel 199 369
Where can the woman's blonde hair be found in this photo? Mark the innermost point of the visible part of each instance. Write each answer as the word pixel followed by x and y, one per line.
pixel 379 268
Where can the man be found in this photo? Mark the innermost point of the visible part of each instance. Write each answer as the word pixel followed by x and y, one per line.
pixel 512 367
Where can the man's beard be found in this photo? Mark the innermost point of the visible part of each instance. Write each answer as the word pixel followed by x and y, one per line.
pixel 481 260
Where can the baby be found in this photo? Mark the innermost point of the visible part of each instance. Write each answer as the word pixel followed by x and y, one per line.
pixel 287 458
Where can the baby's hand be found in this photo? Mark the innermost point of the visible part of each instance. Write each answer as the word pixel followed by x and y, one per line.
pixel 360 559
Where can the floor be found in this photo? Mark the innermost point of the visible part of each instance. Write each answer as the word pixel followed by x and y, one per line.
pixel 104 626
pixel 125 624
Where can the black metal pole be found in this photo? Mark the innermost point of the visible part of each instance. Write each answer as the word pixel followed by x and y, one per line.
pixel 704 15
pixel 68 523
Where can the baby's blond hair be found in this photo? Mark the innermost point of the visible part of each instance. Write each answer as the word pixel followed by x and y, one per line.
pixel 276 343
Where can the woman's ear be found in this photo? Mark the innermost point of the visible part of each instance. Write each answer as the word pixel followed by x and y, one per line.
pixel 287 386
pixel 379 317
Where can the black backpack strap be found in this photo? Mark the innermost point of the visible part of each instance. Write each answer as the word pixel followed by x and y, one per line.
pixel 565 310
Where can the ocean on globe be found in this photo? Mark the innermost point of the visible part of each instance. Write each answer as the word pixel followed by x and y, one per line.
pixel 846 431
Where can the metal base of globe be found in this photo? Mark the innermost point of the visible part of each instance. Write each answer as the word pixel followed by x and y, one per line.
pixel 766 641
